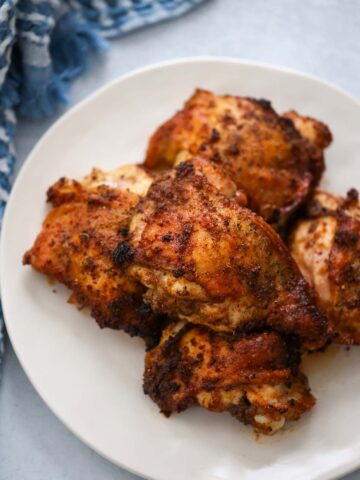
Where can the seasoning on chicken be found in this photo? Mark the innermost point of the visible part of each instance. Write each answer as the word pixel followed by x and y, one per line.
pixel 255 377
pixel 77 240
pixel 275 163
pixel 326 246
pixel 207 260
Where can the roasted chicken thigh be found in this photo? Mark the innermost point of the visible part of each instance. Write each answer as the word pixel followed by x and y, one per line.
pixel 255 377
pixel 205 259
pixel 78 237
pixel 274 162
pixel 326 246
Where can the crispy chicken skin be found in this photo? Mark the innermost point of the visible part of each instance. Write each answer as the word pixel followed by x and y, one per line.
pixel 207 260
pixel 255 377
pixel 326 246
pixel 263 152
pixel 78 237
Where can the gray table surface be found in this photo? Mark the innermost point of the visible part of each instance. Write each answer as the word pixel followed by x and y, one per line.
pixel 321 37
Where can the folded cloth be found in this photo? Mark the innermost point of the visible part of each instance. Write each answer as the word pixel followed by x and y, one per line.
pixel 44 45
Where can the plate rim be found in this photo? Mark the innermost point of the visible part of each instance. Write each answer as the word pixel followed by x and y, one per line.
pixel 342 469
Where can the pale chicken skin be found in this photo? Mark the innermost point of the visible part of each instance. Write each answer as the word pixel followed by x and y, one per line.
pixel 326 246
pixel 205 259
pixel 316 132
pixel 254 377
pixel 214 173
pixel 78 237
pixel 276 163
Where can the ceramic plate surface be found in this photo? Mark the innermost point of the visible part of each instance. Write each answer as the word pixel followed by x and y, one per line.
pixel 92 379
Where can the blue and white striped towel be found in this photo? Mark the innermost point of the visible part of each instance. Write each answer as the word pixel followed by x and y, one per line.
pixel 44 45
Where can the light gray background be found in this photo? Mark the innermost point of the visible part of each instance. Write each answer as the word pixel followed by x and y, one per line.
pixel 321 37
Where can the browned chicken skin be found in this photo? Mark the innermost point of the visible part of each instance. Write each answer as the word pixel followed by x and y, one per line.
pixel 255 377
pixel 326 246
pixel 264 153
pixel 206 260
pixel 78 238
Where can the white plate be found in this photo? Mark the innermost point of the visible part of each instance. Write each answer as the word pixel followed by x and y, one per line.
pixel 92 379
